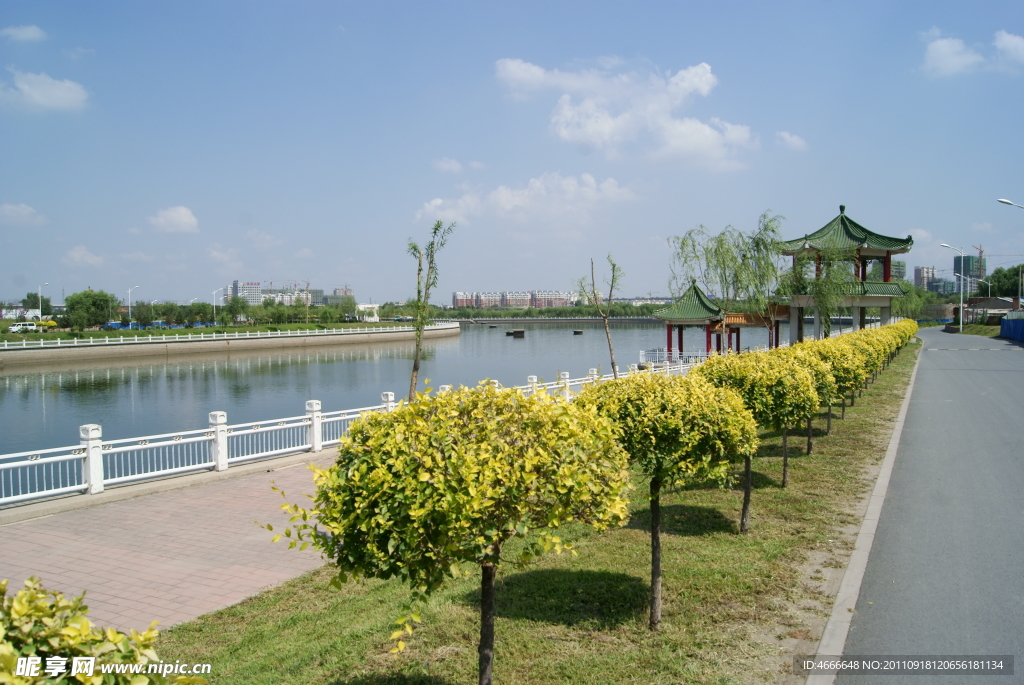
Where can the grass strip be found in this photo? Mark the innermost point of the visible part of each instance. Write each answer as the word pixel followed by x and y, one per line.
pixel 734 604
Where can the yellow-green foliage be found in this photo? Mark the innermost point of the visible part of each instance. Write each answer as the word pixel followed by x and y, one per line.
pixel 37 622
pixel 445 479
pixel 847 364
pixel 776 390
pixel 821 371
pixel 680 429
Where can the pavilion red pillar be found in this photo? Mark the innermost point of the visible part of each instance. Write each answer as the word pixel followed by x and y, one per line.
pixel 863 268
pixel 887 267
pixel 679 331
pixel 707 333
pixel 737 340
pixel 718 342
pixel 668 342
pixel 778 328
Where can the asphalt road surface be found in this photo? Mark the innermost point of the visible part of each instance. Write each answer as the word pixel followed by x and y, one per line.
pixel 946 571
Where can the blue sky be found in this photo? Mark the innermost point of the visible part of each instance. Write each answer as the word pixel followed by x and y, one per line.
pixel 179 146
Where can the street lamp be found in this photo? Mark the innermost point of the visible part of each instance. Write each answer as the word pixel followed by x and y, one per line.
pixel 1007 202
pixel 215 304
pixel 988 284
pixel 192 300
pixel 130 304
pixel 961 317
pixel 40 296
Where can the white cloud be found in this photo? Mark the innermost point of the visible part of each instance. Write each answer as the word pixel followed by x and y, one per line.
pixel 304 253
pixel 548 197
pixel 40 91
pixel 79 255
pixel 136 257
pixel 1009 47
pixel 23 34
pixel 479 166
pixel 982 226
pixel 262 241
pixel 225 257
pixel 175 220
pixel 603 109
pixel 948 56
pixel 79 53
pixel 447 164
pixel 20 215
pixel 791 140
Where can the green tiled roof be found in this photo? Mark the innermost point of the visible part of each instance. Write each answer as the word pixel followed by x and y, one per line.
pixel 694 305
pixel 885 289
pixel 843 233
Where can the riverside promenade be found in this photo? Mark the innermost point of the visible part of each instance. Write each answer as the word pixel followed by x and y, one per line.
pixel 170 555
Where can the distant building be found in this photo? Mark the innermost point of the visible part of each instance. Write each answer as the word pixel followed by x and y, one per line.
pixel 942 286
pixel 899 270
pixel 923 276
pixel 516 299
pixel 250 292
pixel 969 265
pixel 484 300
pixel 550 298
pixel 461 299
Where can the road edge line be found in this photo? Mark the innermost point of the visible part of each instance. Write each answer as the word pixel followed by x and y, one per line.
pixel 833 638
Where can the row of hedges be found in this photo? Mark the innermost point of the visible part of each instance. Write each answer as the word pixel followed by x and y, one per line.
pixel 444 482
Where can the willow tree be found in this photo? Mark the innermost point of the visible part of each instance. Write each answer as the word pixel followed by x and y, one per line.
pixel 678 430
pixel 425 280
pixel 446 481
pixel 827 275
pixel 740 269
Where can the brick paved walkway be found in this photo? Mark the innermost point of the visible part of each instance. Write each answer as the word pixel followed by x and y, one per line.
pixel 168 556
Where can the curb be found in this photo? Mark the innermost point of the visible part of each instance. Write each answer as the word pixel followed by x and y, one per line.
pixel 833 638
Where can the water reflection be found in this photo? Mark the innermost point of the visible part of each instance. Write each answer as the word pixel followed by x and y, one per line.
pixel 43 406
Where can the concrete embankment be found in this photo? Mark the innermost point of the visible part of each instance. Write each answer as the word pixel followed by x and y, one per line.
pixel 118 350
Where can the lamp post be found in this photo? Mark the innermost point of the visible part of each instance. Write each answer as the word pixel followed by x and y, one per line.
pixel 1020 277
pixel 988 284
pixel 40 296
pixel 961 317
pixel 215 304
pixel 1007 202
pixel 130 304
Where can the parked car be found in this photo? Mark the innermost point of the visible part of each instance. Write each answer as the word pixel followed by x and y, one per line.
pixel 23 327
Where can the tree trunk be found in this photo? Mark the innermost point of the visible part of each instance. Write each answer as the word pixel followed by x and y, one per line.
pixel 486 623
pixel 655 554
pixel 785 459
pixel 828 428
pixel 747 487
pixel 844 407
pixel 416 362
pixel 810 443
pixel 611 349
pixel 853 398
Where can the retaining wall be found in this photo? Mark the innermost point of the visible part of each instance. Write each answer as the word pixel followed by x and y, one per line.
pixel 48 355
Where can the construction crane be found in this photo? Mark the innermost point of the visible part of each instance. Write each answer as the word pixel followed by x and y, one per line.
pixel 981 261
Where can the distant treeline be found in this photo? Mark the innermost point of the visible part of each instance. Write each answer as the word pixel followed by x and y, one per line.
pixel 617 310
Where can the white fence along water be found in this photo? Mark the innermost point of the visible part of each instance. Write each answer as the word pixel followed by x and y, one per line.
pixel 95 463
pixel 196 337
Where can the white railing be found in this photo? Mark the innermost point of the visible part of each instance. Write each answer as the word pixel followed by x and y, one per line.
pixel 95 464
pixel 193 337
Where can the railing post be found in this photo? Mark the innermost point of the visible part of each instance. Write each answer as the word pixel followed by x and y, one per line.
pixel 316 434
pixel 219 448
pixel 633 368
pixel 592 375
pixel 564 377
pixel 444 388
pixel 388 400
pixel 91 435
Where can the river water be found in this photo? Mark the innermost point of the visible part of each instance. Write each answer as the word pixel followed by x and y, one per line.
pixel 43 407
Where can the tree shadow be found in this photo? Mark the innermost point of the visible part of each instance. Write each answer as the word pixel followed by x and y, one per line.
pixel 758 481
pixel 685 520
pixel 393 679
pixel 596 600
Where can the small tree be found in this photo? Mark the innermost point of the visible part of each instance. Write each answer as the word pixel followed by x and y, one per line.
pixel 777 392
pixel 424 282
pixel 31 301
pixel 91 307
pixel 447 480
pixel 678 430
pixel 590 297
pixel 822 375
pixel 144 314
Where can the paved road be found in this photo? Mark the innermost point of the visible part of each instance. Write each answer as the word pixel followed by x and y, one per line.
pixel 946 571
pixel 169 556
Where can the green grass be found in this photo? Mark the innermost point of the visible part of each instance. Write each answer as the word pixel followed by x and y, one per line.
pixel 159 332
pixel 583 619
pixel 981 329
